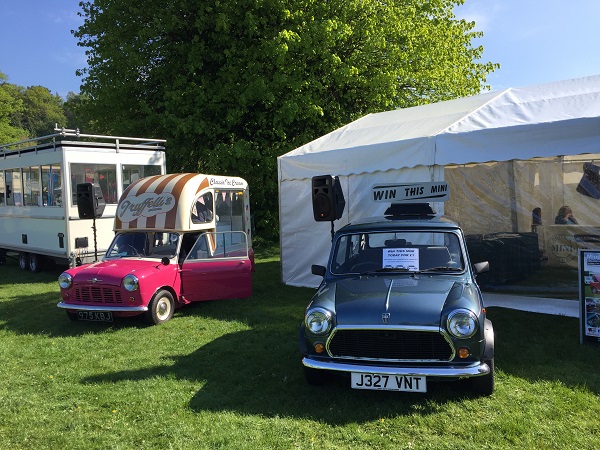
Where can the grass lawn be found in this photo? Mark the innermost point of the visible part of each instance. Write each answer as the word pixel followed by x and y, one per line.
pixel 228 375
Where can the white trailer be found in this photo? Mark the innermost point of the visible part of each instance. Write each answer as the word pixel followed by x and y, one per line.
pixel 39 217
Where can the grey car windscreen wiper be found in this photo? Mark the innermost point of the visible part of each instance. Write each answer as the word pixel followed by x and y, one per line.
pixel 442 269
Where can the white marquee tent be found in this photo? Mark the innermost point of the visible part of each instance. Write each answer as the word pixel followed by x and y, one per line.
pixel 496 132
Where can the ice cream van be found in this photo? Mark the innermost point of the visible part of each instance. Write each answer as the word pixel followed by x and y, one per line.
pixel 179 238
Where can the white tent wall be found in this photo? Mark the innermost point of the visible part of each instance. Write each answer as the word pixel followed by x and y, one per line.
pixel 305 242
pixel 504 154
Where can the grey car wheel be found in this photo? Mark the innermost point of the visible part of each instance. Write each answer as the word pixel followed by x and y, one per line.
pixel 485 384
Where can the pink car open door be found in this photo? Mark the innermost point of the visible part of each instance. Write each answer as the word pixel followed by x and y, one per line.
pixel 217 267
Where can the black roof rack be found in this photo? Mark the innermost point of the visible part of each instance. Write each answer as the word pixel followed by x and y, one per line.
pixel 409 211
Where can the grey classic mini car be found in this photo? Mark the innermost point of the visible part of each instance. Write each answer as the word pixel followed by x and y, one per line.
pixel 399 307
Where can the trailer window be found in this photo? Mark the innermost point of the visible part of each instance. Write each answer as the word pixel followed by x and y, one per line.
pixel 31 186
pixel 14 192
pixel 2 186
pixel 51 186
pixel 104 175
pixel 133 173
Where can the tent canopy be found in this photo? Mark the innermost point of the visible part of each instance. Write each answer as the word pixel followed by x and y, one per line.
pixel 414 144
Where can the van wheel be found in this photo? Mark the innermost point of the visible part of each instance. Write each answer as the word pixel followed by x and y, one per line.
pixel 36 262
pixel 160 308
pixel 24 261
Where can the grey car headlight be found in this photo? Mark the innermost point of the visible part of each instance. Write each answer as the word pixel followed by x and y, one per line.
pixel 131 283
pixel 65 280
pixel 318 321
pixel 462 323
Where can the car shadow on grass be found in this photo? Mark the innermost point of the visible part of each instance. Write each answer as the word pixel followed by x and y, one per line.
pixel 38 314
pixel 259 372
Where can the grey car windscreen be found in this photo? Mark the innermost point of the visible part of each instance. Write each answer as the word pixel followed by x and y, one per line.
pixel 408 251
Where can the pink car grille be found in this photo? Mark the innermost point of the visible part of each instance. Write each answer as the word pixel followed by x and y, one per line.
pixel 98 294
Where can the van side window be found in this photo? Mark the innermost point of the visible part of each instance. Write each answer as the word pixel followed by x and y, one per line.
pixel 202 210
pixel 226 244
pixel 230 210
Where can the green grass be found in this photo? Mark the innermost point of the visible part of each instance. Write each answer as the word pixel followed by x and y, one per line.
pixel 228 375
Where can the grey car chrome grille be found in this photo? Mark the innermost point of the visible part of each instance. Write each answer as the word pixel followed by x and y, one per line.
pixel 390 345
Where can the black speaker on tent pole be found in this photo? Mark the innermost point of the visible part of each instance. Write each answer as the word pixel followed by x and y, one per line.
pixel 90 205
pixel 327 198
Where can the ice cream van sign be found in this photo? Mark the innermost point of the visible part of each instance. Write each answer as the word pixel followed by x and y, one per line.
pixel 145 205
pixel 225 182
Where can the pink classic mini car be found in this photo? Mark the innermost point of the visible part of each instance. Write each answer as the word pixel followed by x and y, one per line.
pixel 180 238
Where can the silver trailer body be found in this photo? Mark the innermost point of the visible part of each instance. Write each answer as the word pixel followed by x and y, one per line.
pixel 39 217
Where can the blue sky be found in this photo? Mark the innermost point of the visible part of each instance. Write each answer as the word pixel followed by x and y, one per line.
pixel 535 41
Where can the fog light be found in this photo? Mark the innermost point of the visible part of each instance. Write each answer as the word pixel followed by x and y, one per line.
pixel 463 352
pixel 319 348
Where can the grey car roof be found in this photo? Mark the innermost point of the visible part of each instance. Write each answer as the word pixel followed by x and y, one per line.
pixel 392 223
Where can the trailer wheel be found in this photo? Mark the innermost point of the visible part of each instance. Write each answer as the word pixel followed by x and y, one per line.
pixel 24 260
pixel 36 262
pixel 161 308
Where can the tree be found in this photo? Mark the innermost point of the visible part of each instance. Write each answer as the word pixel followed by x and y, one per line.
pixel 233 84
pixel 41 111
pixel 10 105
pixel 75 112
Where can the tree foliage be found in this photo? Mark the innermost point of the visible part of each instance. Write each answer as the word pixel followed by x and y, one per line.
pixel 10 105
pixel 28 112
pixel 41 111
pixel 233 84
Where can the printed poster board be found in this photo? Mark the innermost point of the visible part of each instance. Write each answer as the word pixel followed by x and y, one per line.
pixel 401 258
pixel 589 296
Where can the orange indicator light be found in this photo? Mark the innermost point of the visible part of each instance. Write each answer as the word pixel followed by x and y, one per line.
pixel 463 352
pixel 319 348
